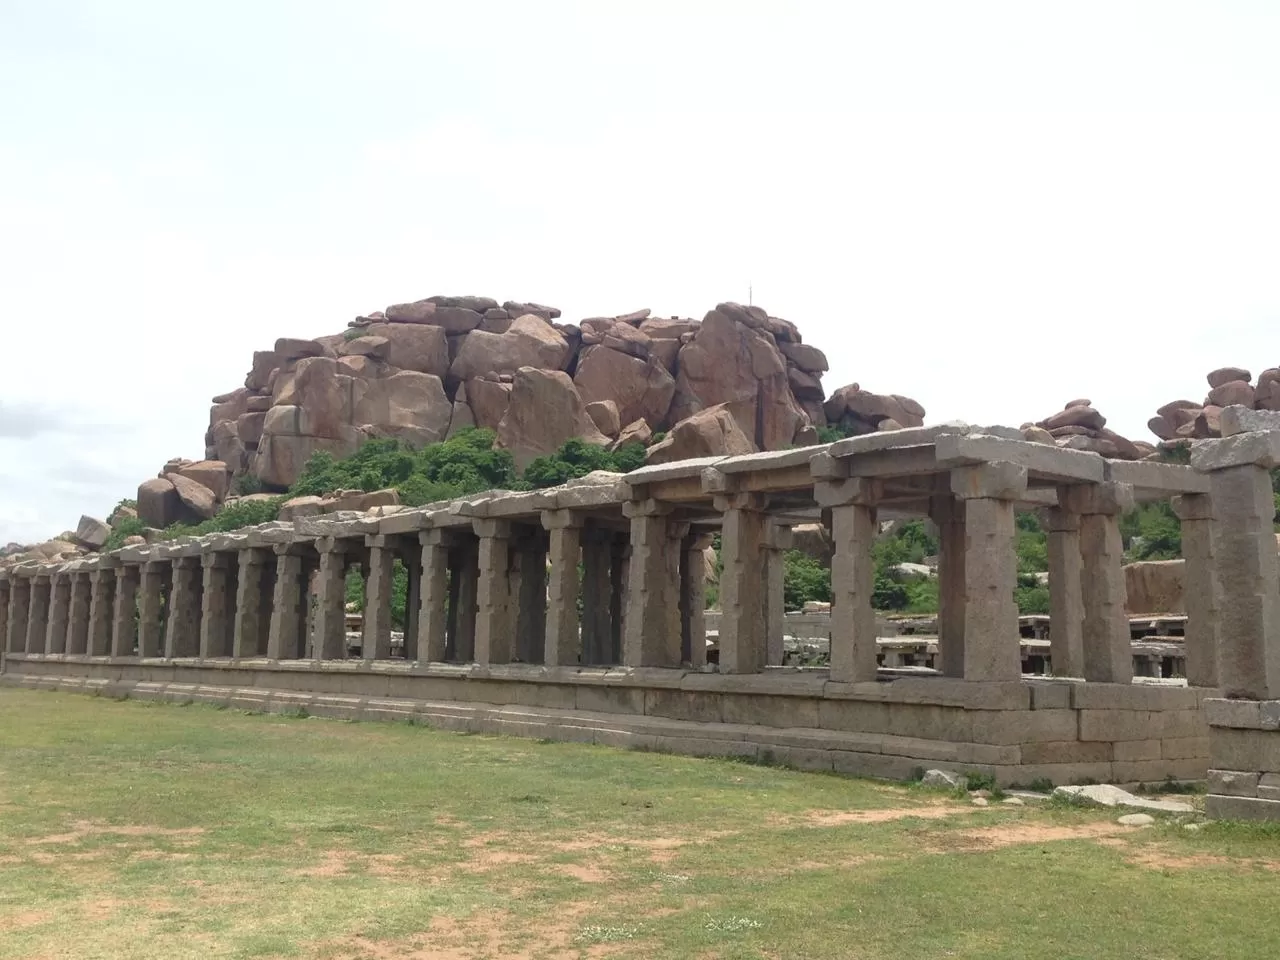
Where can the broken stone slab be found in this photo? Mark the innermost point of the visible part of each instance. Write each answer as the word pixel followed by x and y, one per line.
pixel 1237 419
pixel 1241 450
pixel 1108 795
pixel 1053 462
pixel 941 778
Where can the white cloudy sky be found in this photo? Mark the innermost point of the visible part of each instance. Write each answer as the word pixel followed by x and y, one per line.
pixel 991 207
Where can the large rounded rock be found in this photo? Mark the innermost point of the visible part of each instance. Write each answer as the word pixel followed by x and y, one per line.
pixel 92 533
pixel 1231 393
pixel 211 474
pixel 673 328
pixel 198 498
pixel 281 457
pixel 291 348
pixel 264 361
pixel 851 404
pixel 707 433
pixel 413 347
pixel 641 389
pixel 805 357
pixel 376 348
pixel 604 414
pixel 1227 374
pixel 159 504
pixel 1077 416
pixel 478 304
pixel 325 394
pixel 228 406
pixel 409 406
pixel 544 412
pixel 488 400
pixel 528 342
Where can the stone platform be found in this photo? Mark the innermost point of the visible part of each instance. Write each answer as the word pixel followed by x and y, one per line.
pixel 1016 731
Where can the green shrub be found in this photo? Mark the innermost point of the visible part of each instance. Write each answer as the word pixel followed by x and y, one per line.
pixel 806 579
pixel 127 527
pixel 576 458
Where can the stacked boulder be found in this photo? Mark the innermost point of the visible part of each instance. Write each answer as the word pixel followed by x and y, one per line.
pixel 1180 421
pixel 185 491
pixel 1078 426
pixel 859 411
pixel 423 371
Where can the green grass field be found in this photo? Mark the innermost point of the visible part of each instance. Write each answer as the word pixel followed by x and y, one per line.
pixel 136 830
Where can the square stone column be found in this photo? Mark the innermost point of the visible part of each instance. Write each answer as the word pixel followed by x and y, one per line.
pixel 247 622
pixel 411 557
pixel 102 603
pixel 182 627
pixel 991 641
pixel 1199 589
pixel 652 637
pixel 77 641
pixel 150 606
pixel 495 619
pixel 531 597
pixel 433 600
pixel 563 634
pixel 947 513
pixel 597 595
pixel 744 583
pixel 1108 648
pixel 19 613
pixel 464 593
pixel 125 611
pixel 331 601
pixel 777 542
pixel 376 643
pixel 55 640
pixel 853 533
pixel 38 618
pixel 693 600
pixel 619 587
pixel 216 605
pixel 288 611
pixel 1066 596
pixel 4 613
pixel 1244 553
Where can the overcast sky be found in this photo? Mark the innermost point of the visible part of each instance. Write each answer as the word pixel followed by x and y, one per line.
pixel 992 208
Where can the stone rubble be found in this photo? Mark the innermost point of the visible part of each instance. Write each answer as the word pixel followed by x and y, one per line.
pixel 1180 421
pixel 1106 795
pixel 1078 426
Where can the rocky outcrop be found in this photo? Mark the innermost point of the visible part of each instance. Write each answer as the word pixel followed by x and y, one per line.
pixel 1079 426
pixel 544 412
pixel 714 431
pixel 1153 586
pixel 857 411
pixel 1180 421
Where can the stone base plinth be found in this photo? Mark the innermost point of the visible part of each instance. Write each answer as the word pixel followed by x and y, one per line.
pixel 1244 753
pixel 1020 731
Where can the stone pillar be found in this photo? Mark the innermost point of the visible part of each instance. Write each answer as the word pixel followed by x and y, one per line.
pixel 693 600
pixel 215 605
pixel 597 595
pixel 38 617
pixel 1199 589
pixel 150 603
pixel 531 601
pixel 376 643
pixel 1248 600
pixel 744 583
pixel 1108 650
pixel 19 613
pixel 288 612
pixel 4 614
pixel 246 629
pixel 563 635
pixel 619 586
pixel 652 637
pixel 102 582
pixel 948 514
pixel 1066 597
pixel 412 559
pixel 991 642
pixel 125 611
pixel 433 604
pixel 777 542
pixel 464 596
pixel 182 627
pixel 331 601
pixel 853 618
pixel 495 619
pixel 55 638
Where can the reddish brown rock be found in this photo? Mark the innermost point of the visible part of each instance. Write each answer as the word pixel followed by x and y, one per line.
pixel 1076 416
pixel 707 433
pixel 249 430
pixel 805 385
pixel 408 406
pixel 228 406
pixel 376 348
pixel 1230 393
pixel 544 412
pixel 517 309
pixel 1228 374
pixel 264 361
pixel 627 339
pixel 804 356
pixel 662 328
pixel 291 348
pixel 604 414
pixel 637 432
pixel 211 474
pixel 641 389
pixel 422 349
pixel 851 403
pixel 1162 428
pixel 198 498
pixel 530 342
pixel 488 400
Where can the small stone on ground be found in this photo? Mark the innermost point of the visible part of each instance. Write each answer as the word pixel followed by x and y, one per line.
pixel 1136 820
pixel 940 778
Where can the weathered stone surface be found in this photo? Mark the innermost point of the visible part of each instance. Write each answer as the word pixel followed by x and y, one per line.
pixel 1036 434
pixel 641 389
pixel 604 414
pixel 478 304
pixel 806 387
pixel 663 328
pixel 1080 416
pixel 158 503
pixel 730 362
pixel 1154 586
pixel 941 778
pixel 264 361
pixel 249 432
pixel 707 433
pixel 804 356
pixel 1241 419
pixel 424 349
pixel 1106 795
pixel 1230 393
pixel 92 533
pixel 228 406
pixel 461 418
pixel 851 405
pixel 517 309
pixel 636 432
pixel 419 311
pixel 544 412
pixel 409 406
pixel 323 395
pixel 211 474
pixel 376 348
pixel 1223 375
pixel 529 342
pixel 626 339
pixel 195 496
pixel 281 457
pixel 488 400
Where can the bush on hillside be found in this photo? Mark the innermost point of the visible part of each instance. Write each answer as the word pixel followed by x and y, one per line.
pixel 576 458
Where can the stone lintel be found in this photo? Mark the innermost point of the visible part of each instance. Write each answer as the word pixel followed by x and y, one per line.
pixel 1241 808
pixel 1156 477
pixel 217 559
pixel 861 491
pixel 1237 419
pixel 741 501
pixel 823 466
pixel 254 556
pixel 1053 463
pixel 668 471
pixel 891 439
pixel 336 544
pixel 437 537
pixel 769 460
pixel 406 521
pixel 713 481
pixel 1242 714
pixel 1241 450
pixel 1097 498
pixel 990 481
pixel 1194 506
pixel 561 519
pixel 498 529
pixel 646 508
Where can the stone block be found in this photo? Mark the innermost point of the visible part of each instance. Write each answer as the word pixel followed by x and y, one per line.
pixel 1233 783
pixel 1236 418
pixel 682 705
pixel 950 724
pixel 610 699
pixel 1244 714
pixel 1009 727
pixel 1129 751
pixel 1185 748
pixel 1158 771
pixel 856 716
pixel 1269 786
pixel 770 711
pixel 1241 808
pixel 697 747
pixel 795 757
pixel 1119 725
pixel 876 765
pixel 953 692
pixel 1234 749
pixel 1181 724
pixel 1066 751
pixel 991 481
pixel 1269 711
pixel 1242 450
pixel 551 696
pixel 1050 696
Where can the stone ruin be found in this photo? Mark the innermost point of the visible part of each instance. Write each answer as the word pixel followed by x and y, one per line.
pixel 1180 421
